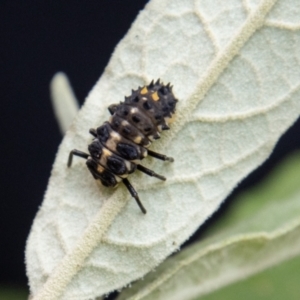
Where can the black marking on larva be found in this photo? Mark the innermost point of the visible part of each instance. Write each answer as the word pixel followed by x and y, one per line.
pixel 102 133
pixel 158 117
pixel 95 149
pixel 135 119
pixel 128 151
pixel 126 130
pixel 120 143
pixel 106 177
pixel 116 165
pixel 147 105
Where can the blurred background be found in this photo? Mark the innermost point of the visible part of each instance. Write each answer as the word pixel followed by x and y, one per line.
pixel 37 40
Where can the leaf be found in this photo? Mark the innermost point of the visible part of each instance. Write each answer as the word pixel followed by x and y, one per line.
pixel 277 283
pixel 262 229
pixel 64 102
pixel 235 69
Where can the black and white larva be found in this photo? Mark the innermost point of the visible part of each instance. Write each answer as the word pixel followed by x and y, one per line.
pixel 121 143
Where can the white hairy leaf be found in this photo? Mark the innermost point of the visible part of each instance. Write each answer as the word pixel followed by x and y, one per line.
pixel 64 102
pixel 235 70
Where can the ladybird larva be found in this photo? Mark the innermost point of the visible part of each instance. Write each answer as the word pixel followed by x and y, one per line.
pixel 122 142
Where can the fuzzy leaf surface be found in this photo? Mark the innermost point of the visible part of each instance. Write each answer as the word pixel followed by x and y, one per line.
pixel 64 102
pixel 235 67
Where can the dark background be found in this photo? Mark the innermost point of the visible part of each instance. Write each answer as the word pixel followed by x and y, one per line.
pixel 39 38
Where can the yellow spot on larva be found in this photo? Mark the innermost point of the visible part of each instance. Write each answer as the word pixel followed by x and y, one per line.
pixel 169 120
pixel 137 139
pixel 155 96
pixel 144 90
pixel 100 169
